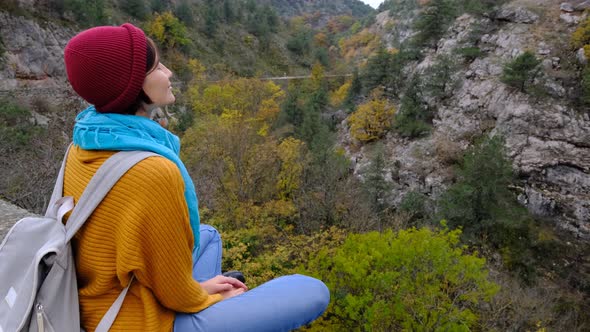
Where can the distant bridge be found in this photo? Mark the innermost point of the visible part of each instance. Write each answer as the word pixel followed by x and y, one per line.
pixel 68 90
pixel 280 78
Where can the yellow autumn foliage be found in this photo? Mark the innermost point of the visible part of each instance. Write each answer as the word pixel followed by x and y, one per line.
pixel 372 119
pixel 167 30
pixel 581 36
pixel 362 43
pixel 338 96
pixel 291 152
pixel 252 97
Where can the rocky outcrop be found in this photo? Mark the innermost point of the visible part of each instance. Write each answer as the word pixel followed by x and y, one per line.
pixel 9 214
pixel 516 15
pixel 575 5
pixel 394 30
pixel 31 66
pixel 547 140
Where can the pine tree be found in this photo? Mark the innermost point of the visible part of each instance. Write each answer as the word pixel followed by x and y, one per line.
pixel 521 72
pixel 414 116
pixel 376 185
pixel 377 70
pixel 434 21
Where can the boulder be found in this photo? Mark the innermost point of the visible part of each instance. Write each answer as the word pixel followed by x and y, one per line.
pixel 575 6
pixel 516 15
pixel 566 7
pixel 569 19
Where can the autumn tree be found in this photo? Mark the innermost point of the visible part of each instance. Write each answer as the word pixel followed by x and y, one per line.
pixel 292 154
pixel 230 149
pixel 167 30
pixel 338 97
pixel 372 119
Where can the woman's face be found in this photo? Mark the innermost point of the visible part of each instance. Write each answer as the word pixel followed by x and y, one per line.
pixel 157 86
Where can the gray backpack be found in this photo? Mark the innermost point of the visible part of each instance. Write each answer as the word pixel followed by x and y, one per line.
pixel 38 288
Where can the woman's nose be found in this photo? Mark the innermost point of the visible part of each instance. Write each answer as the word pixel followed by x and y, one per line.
pixel 168 72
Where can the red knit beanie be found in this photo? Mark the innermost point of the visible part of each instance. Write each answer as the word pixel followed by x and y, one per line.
pixel 107 66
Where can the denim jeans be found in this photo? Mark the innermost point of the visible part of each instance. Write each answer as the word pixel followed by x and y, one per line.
pixel 282 304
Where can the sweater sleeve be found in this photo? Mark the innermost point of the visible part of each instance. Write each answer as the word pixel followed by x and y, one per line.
pixel 156 241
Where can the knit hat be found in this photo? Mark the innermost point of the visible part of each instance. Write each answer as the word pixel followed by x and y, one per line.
pixel 107 66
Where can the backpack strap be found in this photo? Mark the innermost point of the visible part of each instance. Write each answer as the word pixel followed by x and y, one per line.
pixel 59 185
pixel 109 318
pixel 101 183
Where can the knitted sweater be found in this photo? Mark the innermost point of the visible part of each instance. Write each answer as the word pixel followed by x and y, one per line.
pixel 141 228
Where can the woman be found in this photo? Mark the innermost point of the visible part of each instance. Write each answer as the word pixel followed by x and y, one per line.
pixel 148 225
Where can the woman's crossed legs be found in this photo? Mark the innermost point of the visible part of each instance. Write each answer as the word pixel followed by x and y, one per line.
pixel 282 304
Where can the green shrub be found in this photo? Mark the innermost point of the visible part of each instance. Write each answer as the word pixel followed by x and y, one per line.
pixel 585 86
pixel 16 129
pixel 412 280
pixel 469 53
pixel 521 72
pixel 414 205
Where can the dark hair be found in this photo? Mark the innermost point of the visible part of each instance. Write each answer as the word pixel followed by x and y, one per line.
pixel 152 61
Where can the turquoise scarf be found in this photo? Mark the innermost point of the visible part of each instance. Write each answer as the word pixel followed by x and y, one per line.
pixel 110 131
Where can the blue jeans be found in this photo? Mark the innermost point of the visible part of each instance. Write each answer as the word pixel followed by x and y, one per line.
pixel 282 304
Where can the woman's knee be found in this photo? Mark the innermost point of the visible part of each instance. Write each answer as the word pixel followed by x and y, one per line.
pixel 209 233
pixel 316 293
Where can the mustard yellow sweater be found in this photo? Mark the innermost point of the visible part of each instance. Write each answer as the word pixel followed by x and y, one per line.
pixel 141 228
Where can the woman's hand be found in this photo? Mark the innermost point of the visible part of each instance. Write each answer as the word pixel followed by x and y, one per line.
pixel 232 292
pixel 221 284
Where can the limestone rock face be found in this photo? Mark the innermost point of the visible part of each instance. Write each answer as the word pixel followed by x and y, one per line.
pixel 32 63
pixel 547 140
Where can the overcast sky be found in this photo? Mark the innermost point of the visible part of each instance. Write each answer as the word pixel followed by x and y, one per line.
pixel 373 3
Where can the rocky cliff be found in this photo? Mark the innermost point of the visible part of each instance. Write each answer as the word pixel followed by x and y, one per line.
pixel 548 139
pixel 31 64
